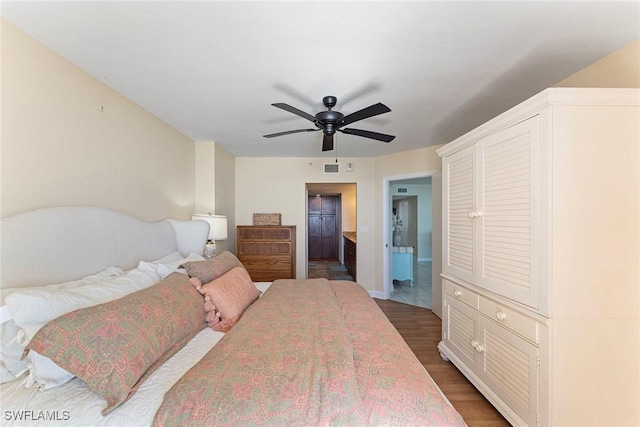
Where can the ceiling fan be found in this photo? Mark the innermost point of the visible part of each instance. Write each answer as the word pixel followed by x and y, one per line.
pixel 331 121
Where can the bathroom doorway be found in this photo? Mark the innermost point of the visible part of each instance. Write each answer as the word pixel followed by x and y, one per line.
pixel 409 252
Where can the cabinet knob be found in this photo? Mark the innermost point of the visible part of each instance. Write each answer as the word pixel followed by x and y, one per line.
pixel 501 316
pixel 479 348
pixel 474 344
pixel 472 214
pixel 477 213
pixel 457 293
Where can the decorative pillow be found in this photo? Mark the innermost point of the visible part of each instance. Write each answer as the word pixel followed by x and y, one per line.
pixel 32 308
pixel 115 346
pixel 11 349
pixel 212 268
pixel 227 297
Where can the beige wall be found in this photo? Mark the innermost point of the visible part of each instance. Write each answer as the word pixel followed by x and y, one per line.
pixel 214 187
pixel 225 194
pixel 618 69
pixel 349 205
pixel 205 178
pixel 69 140
pixel 278 185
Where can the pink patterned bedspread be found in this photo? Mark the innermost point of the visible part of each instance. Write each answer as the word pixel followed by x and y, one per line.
pixel 309 352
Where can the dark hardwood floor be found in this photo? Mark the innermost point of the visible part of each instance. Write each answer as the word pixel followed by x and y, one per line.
pixel 421 329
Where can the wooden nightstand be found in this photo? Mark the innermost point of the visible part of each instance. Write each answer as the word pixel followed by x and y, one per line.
pixel 268 252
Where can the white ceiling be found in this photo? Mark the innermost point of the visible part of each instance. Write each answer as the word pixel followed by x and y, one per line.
pixel 211 69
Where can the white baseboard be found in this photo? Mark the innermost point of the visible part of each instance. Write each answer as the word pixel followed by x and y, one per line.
pixel 376 294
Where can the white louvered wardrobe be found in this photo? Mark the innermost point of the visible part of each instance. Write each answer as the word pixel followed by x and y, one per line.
pixel 541 258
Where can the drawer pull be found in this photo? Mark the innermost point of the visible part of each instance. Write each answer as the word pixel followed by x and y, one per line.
pixel 457 292
pixel 475 344
pixel 501 316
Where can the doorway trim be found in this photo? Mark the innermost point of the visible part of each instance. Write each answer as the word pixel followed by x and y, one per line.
pixel 387 204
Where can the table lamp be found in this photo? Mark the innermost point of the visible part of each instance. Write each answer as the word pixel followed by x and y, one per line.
pixel 217 231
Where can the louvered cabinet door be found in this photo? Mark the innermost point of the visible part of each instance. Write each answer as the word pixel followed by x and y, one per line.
pixel 509 366
pixel 459 203
pixel 507 215
pixel 461 331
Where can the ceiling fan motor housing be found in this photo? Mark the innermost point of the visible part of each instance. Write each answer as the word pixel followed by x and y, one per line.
pixel 328 121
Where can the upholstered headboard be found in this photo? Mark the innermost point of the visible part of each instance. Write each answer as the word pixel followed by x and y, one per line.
pixel 54 245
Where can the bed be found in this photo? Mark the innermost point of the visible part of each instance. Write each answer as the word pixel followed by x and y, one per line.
pixel 124 323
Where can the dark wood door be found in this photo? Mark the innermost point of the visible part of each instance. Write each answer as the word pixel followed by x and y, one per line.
pixel 315 237
pixel 315 205
pixel 324 229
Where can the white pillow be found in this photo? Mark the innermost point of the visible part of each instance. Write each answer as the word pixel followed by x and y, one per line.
pixel 44 373
pixel 106 274
pixel 32 309
pixel 166 265
pixel 177 263
pixel 10 350
pixel 172 257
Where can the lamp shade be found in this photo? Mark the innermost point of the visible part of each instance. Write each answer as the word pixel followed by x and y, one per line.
pixel 217 225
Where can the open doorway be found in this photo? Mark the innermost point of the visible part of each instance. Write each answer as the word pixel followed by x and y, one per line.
pixel 331 238
pixel 410 250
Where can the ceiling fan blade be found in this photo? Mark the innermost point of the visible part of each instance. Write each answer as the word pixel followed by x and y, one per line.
pixel 368 134
pixel 271 135
pixel 294 110
pixel 327 143
pixel 365 113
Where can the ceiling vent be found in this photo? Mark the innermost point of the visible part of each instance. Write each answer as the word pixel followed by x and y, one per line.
pixel 332 168
pixel 402 190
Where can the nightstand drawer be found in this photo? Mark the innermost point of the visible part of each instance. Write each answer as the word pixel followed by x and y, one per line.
pixel 511 319
pixel 461 293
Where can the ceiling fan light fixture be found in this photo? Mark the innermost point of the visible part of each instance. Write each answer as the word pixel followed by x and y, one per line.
pixel 329 129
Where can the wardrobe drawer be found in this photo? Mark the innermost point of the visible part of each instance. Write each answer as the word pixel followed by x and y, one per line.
pixel 511 319
pixel 462 294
